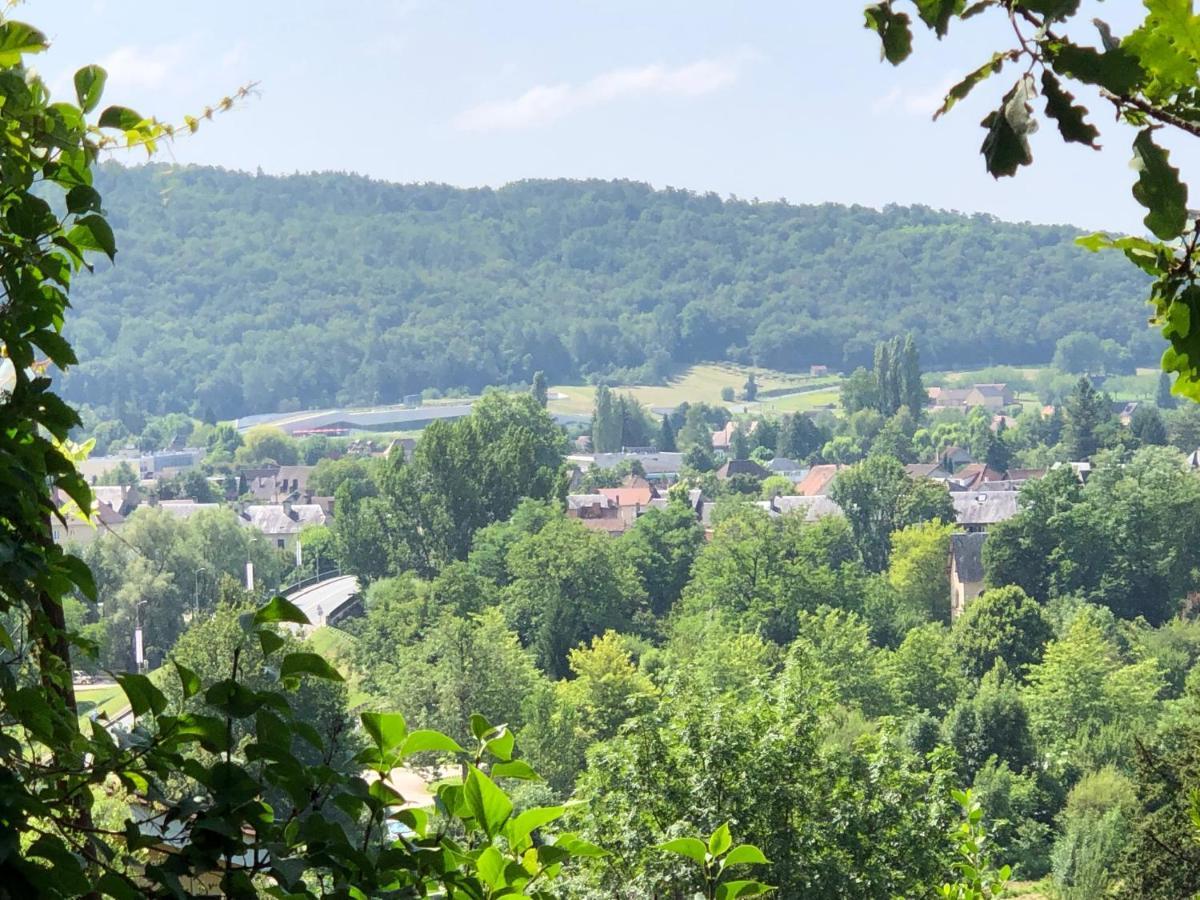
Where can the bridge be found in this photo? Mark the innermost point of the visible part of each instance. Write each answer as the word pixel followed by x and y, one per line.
pixel 326 599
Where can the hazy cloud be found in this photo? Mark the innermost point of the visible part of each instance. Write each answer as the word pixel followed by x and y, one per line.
pixel 138 67
pixel 915 102
pixel 547 102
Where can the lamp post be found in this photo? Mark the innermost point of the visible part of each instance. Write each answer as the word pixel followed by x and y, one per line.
pixel 139 655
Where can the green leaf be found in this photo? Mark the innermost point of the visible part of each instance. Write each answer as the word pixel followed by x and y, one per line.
pixel 188 680
pixel 489 805
pixel 964 87
pixel 937 13
pixel 1006 146
pixel 745 855
pixel 143 695
pixel 121 117
pixel 515 768
pixel 424 741
pixel 269 641
pixel 1115 70
pixel 208 731
pixel 92 232
pixel 387 730
pixel 301 663
pixel 1167 45
pixel 577 846
pixel 501 746
pixel 520 827
pixel 79 573
pixel 1158 188
pixel 733 889
pixel 490 866
pixel 479 726
pixel 895 35
pixel 83 198
pixel 89 85
pixel 1071 124
pixel 720 840
pixel 16 39
pixel 692 848
pixel 280 609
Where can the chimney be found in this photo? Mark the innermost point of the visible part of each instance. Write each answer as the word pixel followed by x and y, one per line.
pixel 288 511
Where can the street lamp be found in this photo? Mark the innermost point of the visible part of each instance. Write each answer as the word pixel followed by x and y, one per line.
pixel 139 655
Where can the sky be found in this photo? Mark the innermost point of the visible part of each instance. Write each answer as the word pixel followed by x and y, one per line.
pixel 766 99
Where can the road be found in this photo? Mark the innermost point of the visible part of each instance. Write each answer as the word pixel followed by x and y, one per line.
pixel 320 601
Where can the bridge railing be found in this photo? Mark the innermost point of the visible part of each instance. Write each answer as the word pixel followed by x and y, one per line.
pixel 328 574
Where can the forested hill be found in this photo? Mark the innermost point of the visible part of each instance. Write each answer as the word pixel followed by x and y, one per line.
pixel 235 294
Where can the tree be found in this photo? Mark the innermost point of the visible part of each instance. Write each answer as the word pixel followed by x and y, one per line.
pixel 912 389
pixel 993 723
pixel 539 390
pixel 607 687
pixel 607 422
pixel 264 444
pixel 878 498
pixel 662 545
pixel 739 444
pixel 921 671
pixel 1148 81
pixel 918 574
pixel 860 391
pixel 1000 624
pixel 568 585
pixel 1085 701
pixel 885 378
pixel 799 438
pixel 1086 412
pixel 1163 398
pixel 666 436
pixel 1148 427
pixel 750 388
pixel 999 451
pixel 727 394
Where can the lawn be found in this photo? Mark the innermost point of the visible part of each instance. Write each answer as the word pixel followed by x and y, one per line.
pixel 801 402
pixel 698 384
pixel 107 699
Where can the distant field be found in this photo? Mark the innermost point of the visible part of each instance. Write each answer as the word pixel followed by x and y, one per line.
pixel 336 646
pixel 108 699
pixel 801 402
pixel 698 384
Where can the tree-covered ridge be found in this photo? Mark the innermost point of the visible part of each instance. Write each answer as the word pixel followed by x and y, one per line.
pixel 236 294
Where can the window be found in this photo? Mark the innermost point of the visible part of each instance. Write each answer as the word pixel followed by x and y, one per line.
pixel 280 542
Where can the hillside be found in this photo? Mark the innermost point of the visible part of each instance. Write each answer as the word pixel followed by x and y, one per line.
pixel 235 294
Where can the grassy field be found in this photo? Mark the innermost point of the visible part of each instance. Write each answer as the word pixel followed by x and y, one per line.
pixel 107 699
pixel 698 384
pixel 800 402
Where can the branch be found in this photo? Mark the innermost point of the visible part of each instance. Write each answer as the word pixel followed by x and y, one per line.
pixel 1159 115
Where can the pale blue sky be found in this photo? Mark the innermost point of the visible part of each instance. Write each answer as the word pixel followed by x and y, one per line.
pixel 766 99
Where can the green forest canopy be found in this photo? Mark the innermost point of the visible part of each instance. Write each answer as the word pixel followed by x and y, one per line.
pixel 235 294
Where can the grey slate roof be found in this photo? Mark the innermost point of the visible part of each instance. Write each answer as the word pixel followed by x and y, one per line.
pixel 586 501
pixel 984 507
pixel 273 519
pixel 967 551
pixel 812 508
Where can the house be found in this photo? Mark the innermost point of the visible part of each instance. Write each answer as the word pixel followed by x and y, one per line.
pixel 78 531
pixel 1000 419
pixel 1020 476
pixel 121 498
pixel 993 397
pixel 818 371
pixel 953 457
pixel 597 512
pixel 284 483
pixel 723 439
pixel 966 570
pixel 781 465
pixel 282 522
pixel 812 508
pixel 932 471
pixel 637 492
pixel 746 467
pixel 818 480
pixel 658 466
pixel 1124 411
pixel 978 510
pixel 970 476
